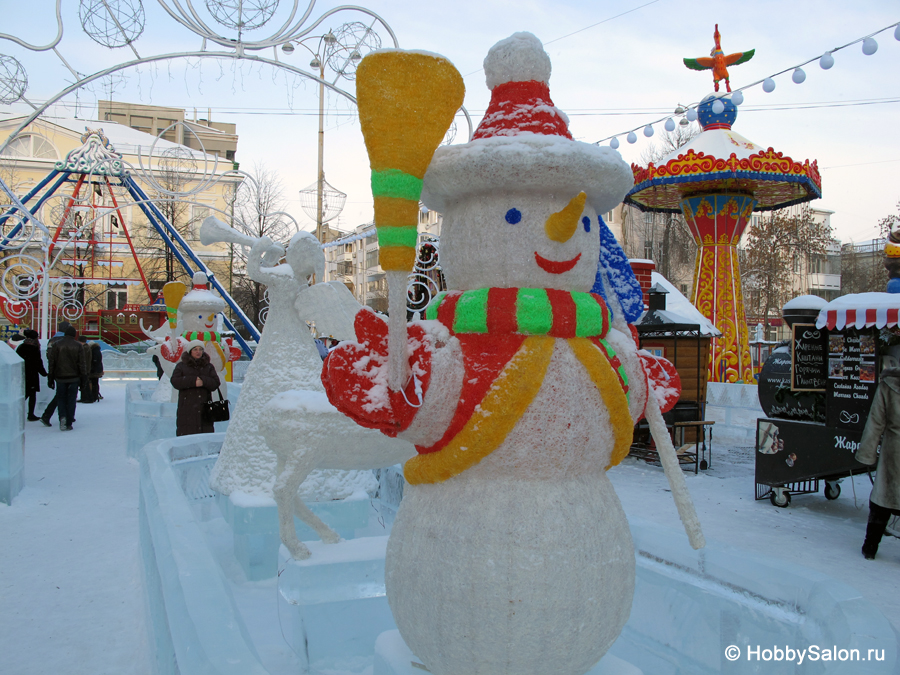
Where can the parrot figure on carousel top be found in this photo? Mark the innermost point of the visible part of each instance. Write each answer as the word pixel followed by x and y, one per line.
pixel 718 61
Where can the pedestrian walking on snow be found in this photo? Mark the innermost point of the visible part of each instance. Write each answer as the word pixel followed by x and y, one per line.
pixel 883 426
pixel 30 351
pixel 68 366
pixel 195 378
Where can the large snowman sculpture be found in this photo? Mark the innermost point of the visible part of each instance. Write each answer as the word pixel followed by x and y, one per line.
pixel 511 554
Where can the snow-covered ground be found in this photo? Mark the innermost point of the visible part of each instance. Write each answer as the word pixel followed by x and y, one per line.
pixel 70 586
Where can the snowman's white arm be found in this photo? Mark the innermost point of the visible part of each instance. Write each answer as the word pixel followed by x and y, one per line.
pixel 669 459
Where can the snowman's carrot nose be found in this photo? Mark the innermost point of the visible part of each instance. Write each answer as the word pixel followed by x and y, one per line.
pixel 560 226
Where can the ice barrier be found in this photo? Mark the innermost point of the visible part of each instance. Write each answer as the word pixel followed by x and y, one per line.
pixel 734 408
pixel 12 423
pixel 688 605
pixel 148 420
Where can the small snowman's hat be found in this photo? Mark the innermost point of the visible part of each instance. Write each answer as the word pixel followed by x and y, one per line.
pixel 200 297
pixel 523 143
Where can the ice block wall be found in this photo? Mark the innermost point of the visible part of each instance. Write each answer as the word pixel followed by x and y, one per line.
pixel 12 423
pixel 148 420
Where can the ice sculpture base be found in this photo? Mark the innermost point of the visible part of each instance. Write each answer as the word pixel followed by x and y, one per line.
pixel 254 524
pixel 12 424
pixel 148 420
pixel 333 606
pixel 393 657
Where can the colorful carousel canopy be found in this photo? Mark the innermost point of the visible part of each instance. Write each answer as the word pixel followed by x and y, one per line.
pixel 721 160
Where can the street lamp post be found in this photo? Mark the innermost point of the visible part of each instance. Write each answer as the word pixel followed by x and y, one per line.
pixel 341 52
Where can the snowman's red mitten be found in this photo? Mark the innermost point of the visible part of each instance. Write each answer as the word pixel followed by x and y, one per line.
pixel 662 378
pixel 355 375
pixel 232 351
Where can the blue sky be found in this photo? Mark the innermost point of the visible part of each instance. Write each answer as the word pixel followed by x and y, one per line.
pixel 609 78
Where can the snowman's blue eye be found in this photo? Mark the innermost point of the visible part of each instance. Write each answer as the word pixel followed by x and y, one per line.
pixel 200 316
pixel 587 223
pixel 513 216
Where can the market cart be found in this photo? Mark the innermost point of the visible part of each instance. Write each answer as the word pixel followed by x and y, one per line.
pixel 817 390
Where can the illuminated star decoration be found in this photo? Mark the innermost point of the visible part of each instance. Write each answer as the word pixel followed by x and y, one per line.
pixel 718 62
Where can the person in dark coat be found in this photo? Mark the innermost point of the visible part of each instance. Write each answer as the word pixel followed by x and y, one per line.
pixel 195 378
pixel 882 427
pixel 69 368
pixel 86 384
pixel 96 372
pixel 51 407
pixel 30 351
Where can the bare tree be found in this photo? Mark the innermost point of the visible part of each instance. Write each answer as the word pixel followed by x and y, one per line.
pixel 662 237
pixel 779 252
pixel 258 212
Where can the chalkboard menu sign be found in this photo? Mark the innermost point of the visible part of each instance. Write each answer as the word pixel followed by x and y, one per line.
pixel 852 378
pixel 809 358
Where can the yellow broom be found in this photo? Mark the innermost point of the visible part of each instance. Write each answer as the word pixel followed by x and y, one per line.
pixel 173 292
pixel 407 101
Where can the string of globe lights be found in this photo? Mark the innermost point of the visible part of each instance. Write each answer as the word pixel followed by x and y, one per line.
pixel 688 113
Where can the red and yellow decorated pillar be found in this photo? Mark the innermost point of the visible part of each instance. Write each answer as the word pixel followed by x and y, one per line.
pixel 717 222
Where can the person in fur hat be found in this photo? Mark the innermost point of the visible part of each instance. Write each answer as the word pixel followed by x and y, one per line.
pixel 195 378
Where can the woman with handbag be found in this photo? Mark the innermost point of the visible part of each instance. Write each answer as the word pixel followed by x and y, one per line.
pixel 195 379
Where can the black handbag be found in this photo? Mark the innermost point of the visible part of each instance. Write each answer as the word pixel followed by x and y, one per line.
pixel 217 411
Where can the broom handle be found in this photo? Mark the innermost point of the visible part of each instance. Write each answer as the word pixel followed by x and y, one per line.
pixel 669 459
pixel 398 363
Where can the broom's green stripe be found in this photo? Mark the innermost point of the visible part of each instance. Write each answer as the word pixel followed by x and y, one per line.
pixel 405 235
pixel 396 183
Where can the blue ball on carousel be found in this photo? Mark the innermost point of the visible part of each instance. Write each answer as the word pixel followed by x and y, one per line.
pixel 893 285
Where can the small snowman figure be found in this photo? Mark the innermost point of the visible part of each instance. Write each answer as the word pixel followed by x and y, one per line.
pixel 192 316
pixel 511 554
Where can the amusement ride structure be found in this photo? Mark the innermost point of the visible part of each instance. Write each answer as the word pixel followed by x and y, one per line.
pixel 717 180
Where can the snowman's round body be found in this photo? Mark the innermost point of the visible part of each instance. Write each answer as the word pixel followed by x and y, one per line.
pixel 522 564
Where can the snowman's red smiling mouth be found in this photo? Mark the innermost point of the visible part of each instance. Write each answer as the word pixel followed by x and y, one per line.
pixel 555 267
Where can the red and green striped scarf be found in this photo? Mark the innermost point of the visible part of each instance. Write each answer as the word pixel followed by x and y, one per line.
pixel 202 335
pixel 525 311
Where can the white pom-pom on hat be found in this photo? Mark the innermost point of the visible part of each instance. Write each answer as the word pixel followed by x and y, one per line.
pixel 518 58
pixel 200 280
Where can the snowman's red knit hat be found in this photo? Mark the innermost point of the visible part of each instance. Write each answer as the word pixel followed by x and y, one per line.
pixel 200 282
pixel 518 75
pixel 523 143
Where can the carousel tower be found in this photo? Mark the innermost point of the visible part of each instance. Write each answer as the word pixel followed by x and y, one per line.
pixel 717 180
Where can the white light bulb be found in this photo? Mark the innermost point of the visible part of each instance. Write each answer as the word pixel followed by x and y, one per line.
pixel 670 124
pixel 737 97
pixel 718 107
pixel 691 115
pixel 768 85
pixel 798 76
pixel 826 61
pixel 614 143
pixel 648 131
pixel 897 33
pixel 632 137
pixel 869 46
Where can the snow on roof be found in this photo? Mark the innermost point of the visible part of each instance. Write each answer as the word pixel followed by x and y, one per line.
pixel 805 302
pixel 124 139
pixel 676 303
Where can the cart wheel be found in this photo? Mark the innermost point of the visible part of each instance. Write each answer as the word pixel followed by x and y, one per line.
pixel 704 465
pixel 832 490
pixel 782 500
